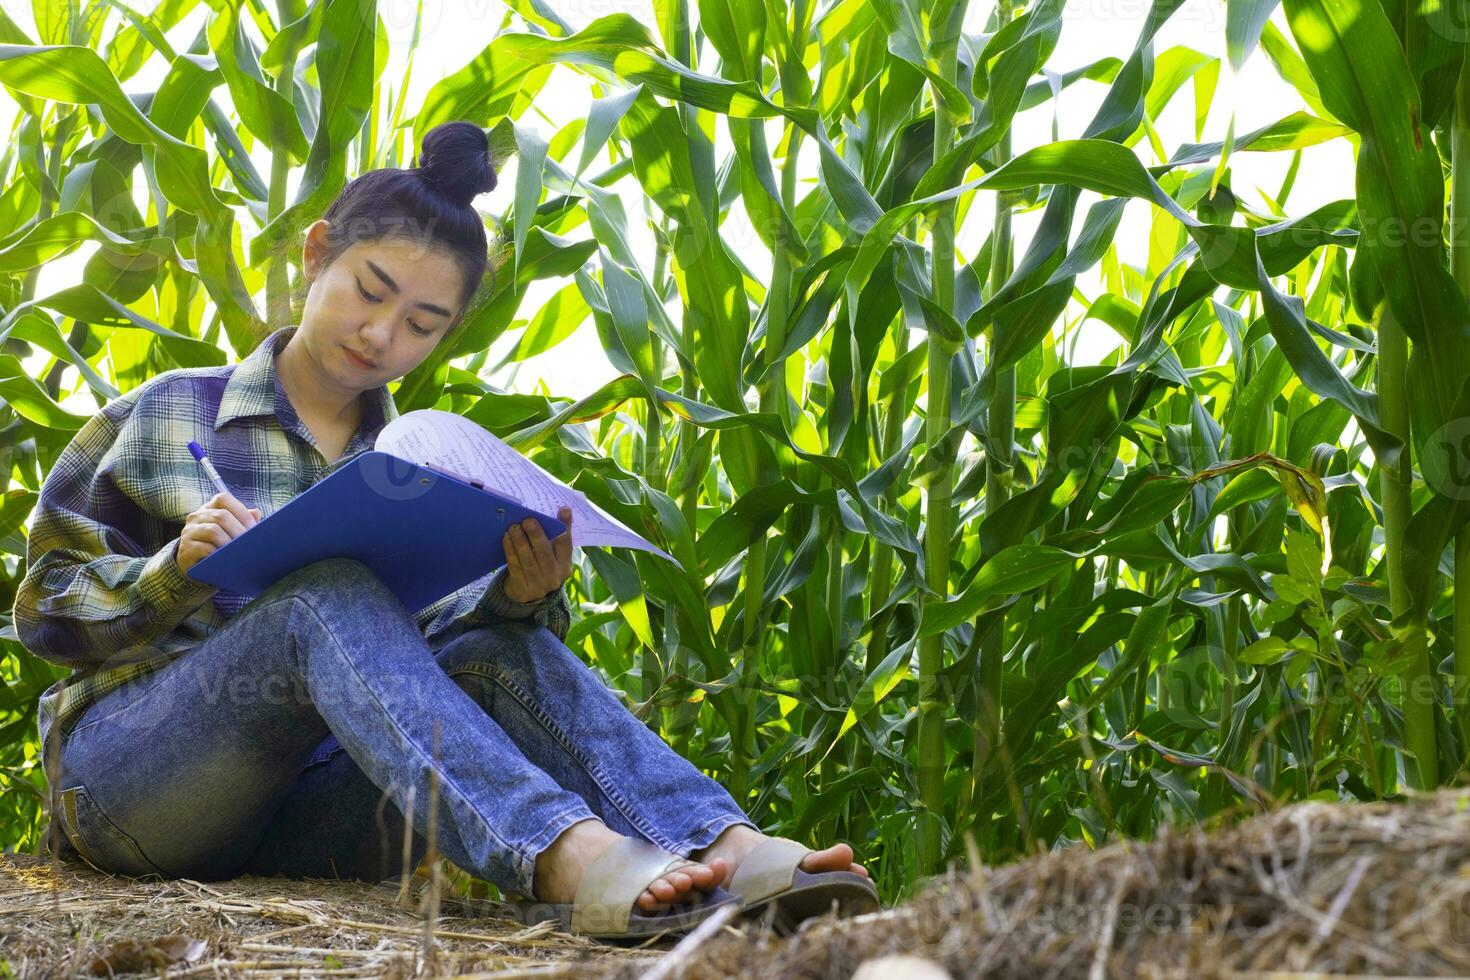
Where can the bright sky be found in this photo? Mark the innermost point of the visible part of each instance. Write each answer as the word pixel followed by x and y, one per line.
pixel 454 32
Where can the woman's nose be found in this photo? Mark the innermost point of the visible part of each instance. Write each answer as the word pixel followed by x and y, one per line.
pixel 376 335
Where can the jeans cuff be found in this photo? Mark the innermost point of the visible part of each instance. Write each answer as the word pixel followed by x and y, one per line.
pixel 526 858
pixel 706 835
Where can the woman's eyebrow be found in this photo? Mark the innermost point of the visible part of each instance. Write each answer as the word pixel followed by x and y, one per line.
pixel 388 281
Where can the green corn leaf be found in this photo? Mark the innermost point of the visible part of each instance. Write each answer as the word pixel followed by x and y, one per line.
pixel 263 110
pixel 1243 22
pixel 345 66
pixel 1016 569
pixel 1352 51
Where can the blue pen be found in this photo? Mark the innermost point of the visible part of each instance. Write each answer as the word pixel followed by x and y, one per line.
pixel 213 473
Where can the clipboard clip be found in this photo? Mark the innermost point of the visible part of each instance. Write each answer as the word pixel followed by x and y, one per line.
pixel 477 484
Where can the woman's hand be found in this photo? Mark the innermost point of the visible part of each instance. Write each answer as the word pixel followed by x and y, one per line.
pixel 537 566
pixel 222 519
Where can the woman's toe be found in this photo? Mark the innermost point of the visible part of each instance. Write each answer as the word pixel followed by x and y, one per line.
pixel 676 886
pixel 705 876
pixel 838 857
pixel 719 870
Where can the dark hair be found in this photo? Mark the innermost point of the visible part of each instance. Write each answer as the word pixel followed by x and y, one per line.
pixel 429 203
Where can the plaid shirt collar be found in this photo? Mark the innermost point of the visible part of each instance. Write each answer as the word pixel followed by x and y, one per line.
pixel 255 388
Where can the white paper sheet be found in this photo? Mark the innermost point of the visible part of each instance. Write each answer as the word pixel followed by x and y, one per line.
pixel 456 446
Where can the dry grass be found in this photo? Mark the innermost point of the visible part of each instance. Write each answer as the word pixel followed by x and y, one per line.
pixel 1316 888
pixel 57 918
pixel 1320 889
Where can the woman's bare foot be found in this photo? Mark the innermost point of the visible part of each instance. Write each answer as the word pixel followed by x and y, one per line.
pixel 559 869
pixel 737 840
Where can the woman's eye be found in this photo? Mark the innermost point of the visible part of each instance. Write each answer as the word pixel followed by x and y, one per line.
pixel 378 299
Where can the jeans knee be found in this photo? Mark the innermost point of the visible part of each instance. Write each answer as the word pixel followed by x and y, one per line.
pixel 332 577
pixel 511 644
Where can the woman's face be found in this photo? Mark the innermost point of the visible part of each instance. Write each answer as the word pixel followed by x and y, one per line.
pixel 388 301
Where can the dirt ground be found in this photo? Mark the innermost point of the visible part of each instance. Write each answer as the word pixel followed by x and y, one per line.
pixel 1312 889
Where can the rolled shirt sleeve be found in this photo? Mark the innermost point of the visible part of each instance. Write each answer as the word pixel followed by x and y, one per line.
pixel 483 602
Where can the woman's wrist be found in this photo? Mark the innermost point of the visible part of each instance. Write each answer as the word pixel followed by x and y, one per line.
pixel 537 600
pixel 500 601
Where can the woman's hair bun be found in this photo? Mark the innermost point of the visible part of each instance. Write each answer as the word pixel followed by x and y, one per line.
pixel 455 161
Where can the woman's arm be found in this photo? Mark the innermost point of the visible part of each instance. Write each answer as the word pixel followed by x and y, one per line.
pixel 533 565
pixel 90 588
pixel 481 602
pixel 552 611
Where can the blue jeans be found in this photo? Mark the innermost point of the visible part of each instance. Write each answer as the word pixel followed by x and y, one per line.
pixel 297 736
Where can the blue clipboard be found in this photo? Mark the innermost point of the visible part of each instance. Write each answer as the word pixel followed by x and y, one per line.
pixel 425 533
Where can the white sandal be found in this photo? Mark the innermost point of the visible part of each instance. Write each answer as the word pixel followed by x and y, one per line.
pixel 605 905
pixel 771 875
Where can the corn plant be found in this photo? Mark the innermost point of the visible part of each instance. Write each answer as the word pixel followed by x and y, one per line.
pixel 945 583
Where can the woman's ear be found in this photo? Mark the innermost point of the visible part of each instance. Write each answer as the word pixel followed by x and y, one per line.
pixel 314 249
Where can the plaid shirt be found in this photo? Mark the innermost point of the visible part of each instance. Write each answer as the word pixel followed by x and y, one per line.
pixel 103 592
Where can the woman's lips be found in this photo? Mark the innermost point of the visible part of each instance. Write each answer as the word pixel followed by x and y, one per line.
pixel 358 360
